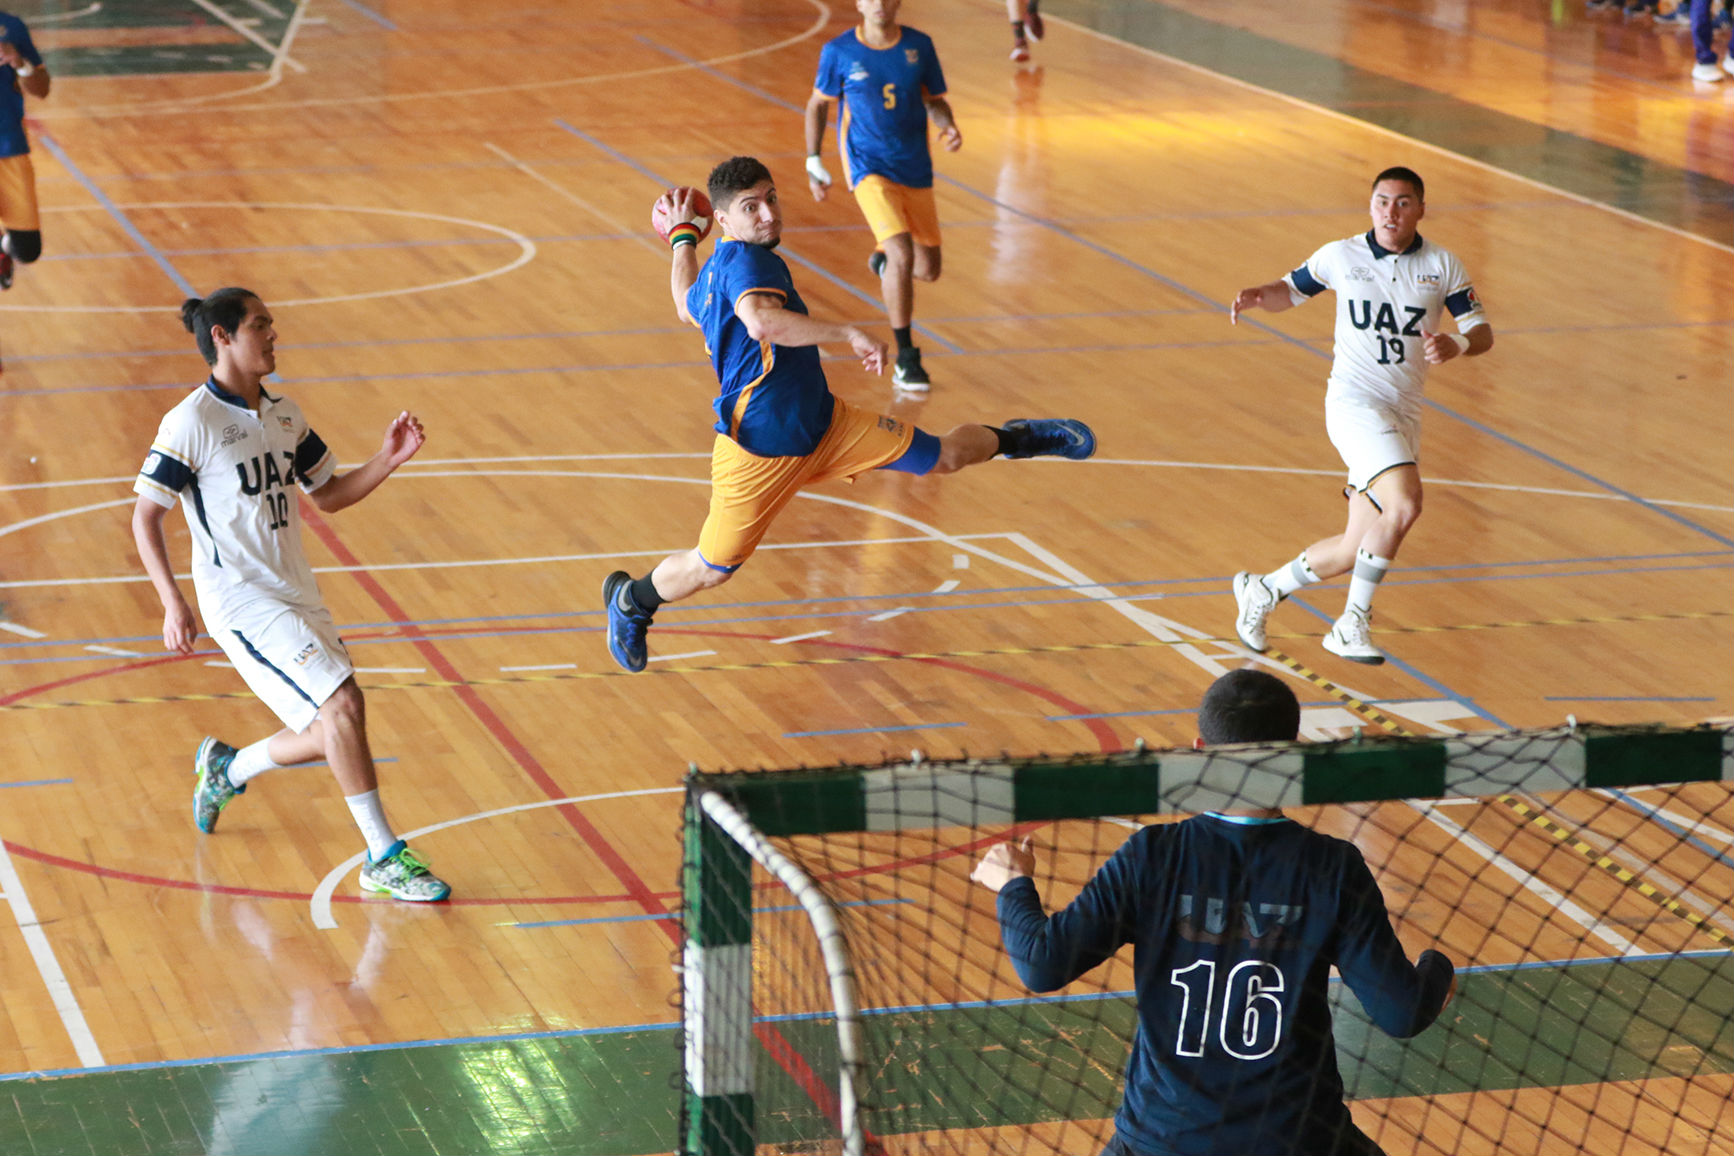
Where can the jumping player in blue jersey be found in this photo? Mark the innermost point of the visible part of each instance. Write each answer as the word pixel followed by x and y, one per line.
pixel 779 429
pixel 888 82
pixel 1237 920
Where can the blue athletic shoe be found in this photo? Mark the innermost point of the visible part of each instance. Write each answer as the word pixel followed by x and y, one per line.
pixel 627 624
pixel 1051 437
pixel 213 792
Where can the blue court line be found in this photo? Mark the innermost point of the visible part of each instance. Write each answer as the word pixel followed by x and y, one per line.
pixel 1654 815
pixel 1414 672
pixel 1622 698
pixel 376 17
pixel 1212 581
pixel 36 783
pixel 950 347
pixel 131 229
pixel 873 730
pixel 676 915
pixel 574 1033
pixel 798 613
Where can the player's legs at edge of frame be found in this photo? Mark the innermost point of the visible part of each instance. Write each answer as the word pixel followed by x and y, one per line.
pixel 629 620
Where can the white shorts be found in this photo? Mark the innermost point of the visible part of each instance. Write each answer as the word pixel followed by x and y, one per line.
pixel 1371 439
pixel 291 657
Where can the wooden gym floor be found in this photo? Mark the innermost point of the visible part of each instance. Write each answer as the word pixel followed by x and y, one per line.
pixel 445 206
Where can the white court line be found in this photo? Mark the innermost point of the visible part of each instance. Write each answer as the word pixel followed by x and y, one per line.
pixel 59 17
pixel 890 614
pixel 1528 882
pixel 799 637
pixel 276 51
pixel 960 561
pixel 548 666
pixel 320 903
pixel 48 967
pixel 25 631
pixel 118 652
pixel 222 665
pixel 947 586
pixel 674 657
pixel 611 221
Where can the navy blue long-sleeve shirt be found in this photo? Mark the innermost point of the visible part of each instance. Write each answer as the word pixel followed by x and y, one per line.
pixel 1236 927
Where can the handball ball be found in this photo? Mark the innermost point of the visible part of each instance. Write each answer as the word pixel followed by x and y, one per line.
pixel 700 205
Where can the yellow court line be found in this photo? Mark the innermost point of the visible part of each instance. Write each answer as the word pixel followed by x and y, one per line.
pixel 1372 714
pixel 1627 878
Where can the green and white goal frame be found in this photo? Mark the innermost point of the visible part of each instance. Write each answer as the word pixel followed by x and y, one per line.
pixel 730 819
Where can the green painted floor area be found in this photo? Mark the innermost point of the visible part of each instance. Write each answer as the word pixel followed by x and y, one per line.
pixel 1599 172
pixel 235 54
pixel 611 1094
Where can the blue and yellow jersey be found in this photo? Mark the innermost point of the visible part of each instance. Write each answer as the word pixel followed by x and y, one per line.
pixel 13 142
pixel 882 118
pixel 774 401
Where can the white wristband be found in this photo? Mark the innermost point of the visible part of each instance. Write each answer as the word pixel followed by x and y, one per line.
pixel 1462 342
pixel 24 68
pixel 816 170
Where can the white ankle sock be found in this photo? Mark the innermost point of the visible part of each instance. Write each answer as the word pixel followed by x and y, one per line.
pixel 1285 580
pixel 370 817
pixel 250 762
pixel 1369 572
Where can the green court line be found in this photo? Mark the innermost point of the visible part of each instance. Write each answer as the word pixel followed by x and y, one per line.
pixel 1651 189
pixel 611 1094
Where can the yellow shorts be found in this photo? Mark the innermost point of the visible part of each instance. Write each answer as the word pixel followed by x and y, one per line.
pixel 747 491
pixel 18 194
pixel 892 209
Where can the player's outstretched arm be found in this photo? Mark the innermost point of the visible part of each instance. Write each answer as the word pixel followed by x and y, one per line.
pixel 32 79
pixel 180 627
pixel 767 320
pixel 818 177
pixel 1272 298
pixel 403 437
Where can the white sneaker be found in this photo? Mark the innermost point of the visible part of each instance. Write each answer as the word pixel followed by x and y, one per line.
pixel 1351 638
pixel 1256 602
pixel 1706 73
pixel 1728 64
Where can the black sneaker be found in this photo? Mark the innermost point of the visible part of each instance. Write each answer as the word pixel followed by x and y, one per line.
pixel 876 262
pixel 6 268
pixel 627 624
pixel 909 374
pixel 1051 437
pixel 1033 21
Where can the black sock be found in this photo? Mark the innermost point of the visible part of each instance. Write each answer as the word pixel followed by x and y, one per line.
pixel 643 594
pixel 1017 29
pixel 1008 441
pixel 904 341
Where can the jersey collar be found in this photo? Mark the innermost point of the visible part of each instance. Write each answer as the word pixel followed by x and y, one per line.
pixel 1380 250
pixel 861 40
pixel 1248 820
pixel 234 399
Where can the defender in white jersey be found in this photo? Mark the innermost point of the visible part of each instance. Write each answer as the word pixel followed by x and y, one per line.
pixel 1392 288
pixel 233 451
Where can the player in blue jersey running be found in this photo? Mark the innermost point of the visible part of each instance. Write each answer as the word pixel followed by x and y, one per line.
pixel 888 81
pixel 1237 919
pixel 21 71
pixel 779 429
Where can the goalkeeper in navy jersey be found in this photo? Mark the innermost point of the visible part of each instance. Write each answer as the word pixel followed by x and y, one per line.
pixel 1237 920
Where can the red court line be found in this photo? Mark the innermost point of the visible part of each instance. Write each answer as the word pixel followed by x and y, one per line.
pixel 605 851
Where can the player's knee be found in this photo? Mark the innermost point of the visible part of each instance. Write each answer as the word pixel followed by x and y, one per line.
pixel 709 578
pixel 926 265
pixel 1403 512
pixel 25 245
pixel 345 709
